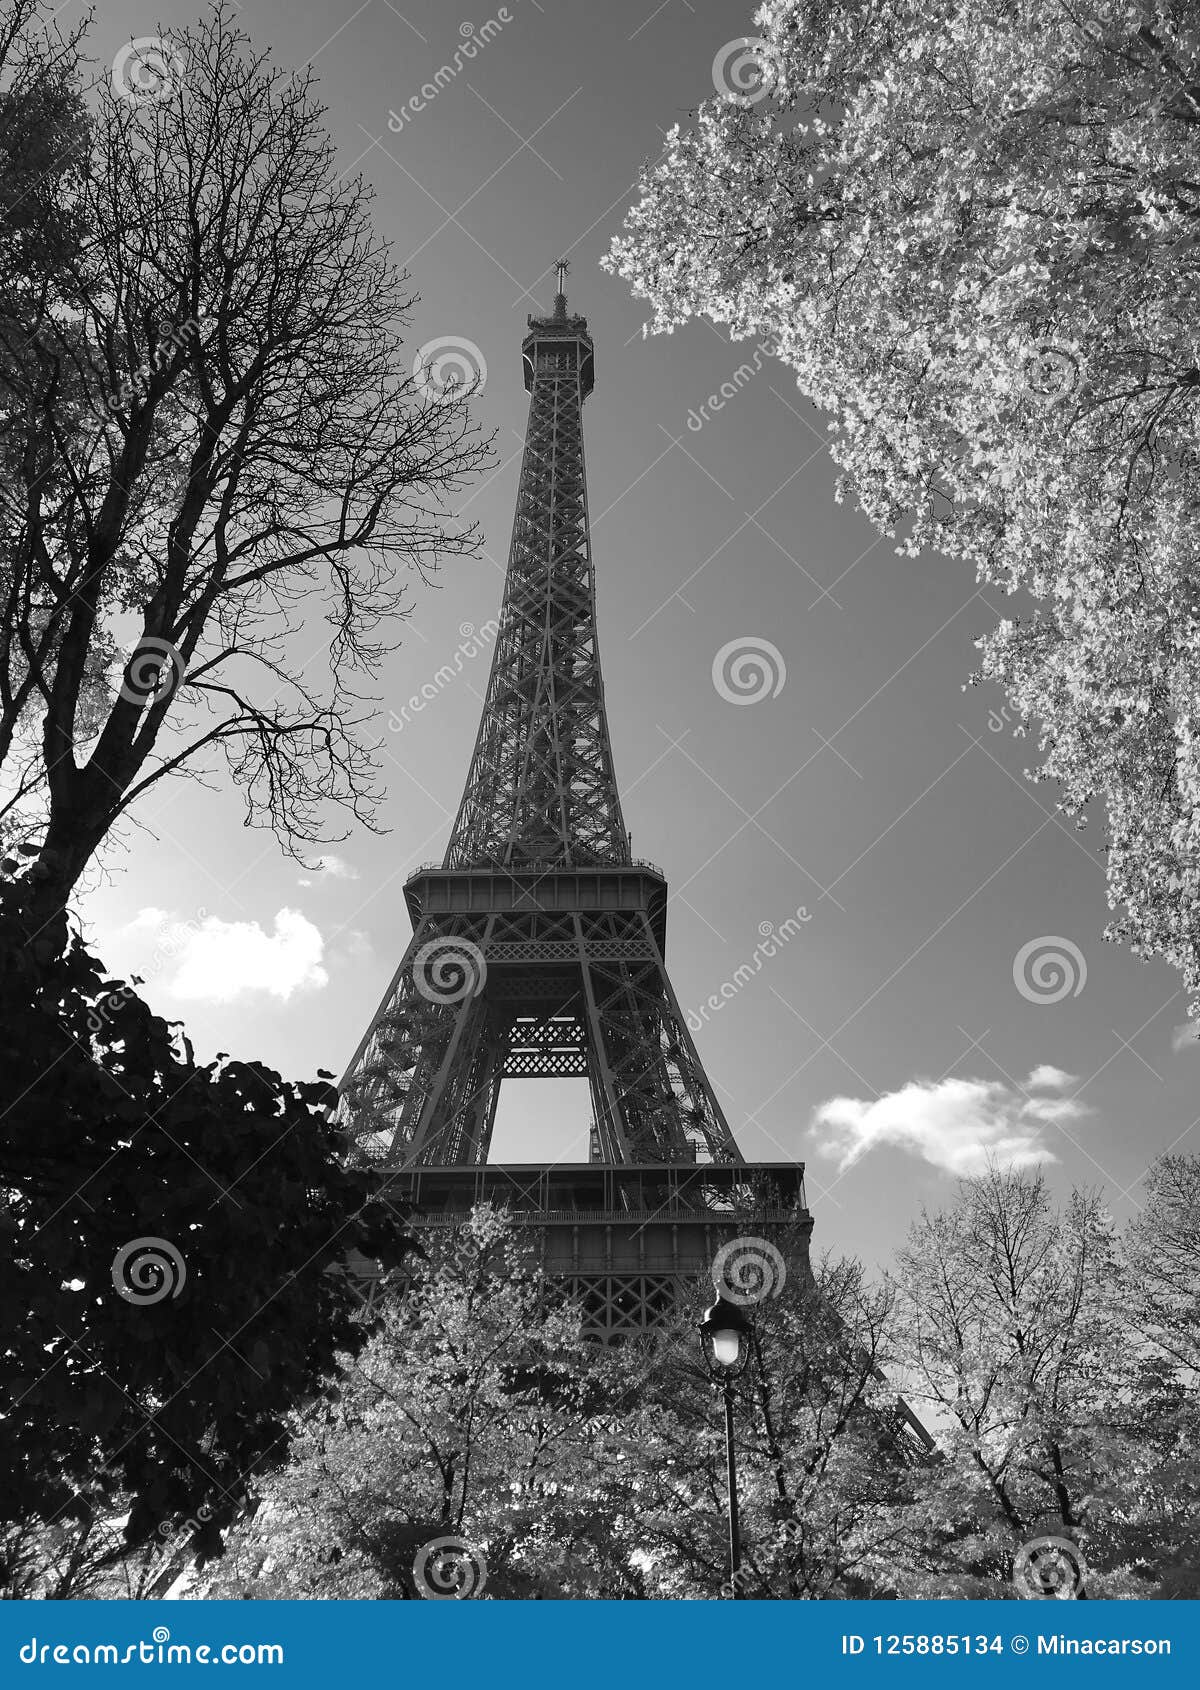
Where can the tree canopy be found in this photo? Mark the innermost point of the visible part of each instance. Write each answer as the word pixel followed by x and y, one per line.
pixel 970 232
pixel 169 1229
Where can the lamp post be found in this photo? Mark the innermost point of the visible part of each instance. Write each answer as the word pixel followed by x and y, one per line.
pixel 725 1335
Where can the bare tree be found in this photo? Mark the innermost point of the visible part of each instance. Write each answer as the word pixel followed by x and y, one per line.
pixel 209 438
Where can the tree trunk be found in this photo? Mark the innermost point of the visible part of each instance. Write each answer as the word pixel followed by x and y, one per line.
pixel 72 837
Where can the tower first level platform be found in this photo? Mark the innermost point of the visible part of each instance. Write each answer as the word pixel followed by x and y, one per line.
pixel 624 1241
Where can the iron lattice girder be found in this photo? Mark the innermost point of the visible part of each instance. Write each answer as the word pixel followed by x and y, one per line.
pixel 559 936
pixel 541 780
pixel 424 1084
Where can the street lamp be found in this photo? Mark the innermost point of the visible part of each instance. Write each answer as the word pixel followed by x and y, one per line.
pixel 725 1336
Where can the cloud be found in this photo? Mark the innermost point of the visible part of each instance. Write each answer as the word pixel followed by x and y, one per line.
pixel 331 867
pixel 956 1125
pixel 1048 1078
pixel 216 961
pixel 150 917
pixel 1186 1037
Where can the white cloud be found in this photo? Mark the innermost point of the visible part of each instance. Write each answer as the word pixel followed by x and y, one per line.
pixel 150 917
pixel 335 868
pixel 956 1125
pixel 1186 1037
pixel 217 961
pixel 1046 1077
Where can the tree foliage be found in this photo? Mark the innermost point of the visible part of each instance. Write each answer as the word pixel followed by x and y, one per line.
pixel 165 1296
pixel 466 1417
pixel 970 232
pixel 477 1446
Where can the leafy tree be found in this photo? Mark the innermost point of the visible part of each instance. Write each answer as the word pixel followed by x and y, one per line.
pixel 209 432
pixel 824 1479
pixel 1160 1300
pixel 466 1417
pixel 567 1470
pixel 165 1297
pixel 1012 1322
pixel 970 232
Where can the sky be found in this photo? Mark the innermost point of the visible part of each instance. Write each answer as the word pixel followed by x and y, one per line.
pixel 794 736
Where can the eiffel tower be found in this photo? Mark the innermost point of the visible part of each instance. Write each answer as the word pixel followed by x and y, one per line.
pixel 538 945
